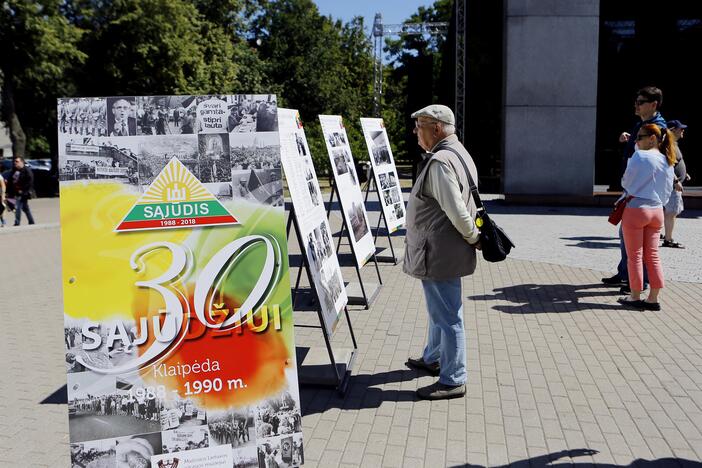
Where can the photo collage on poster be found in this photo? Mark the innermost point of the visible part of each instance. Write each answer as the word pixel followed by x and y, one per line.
pixel 229 143
pixel 137 418
pixel 311 217
pixel 348 187
pixel 385 172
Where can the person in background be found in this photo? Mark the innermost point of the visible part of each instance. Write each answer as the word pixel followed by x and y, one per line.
pixel 2 200
pixel 646 107
pixel 675 206
pixel 648 180
pixel 440 247
pixel 21 188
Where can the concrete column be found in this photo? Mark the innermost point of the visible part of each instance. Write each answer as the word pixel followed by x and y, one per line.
pixel 551 54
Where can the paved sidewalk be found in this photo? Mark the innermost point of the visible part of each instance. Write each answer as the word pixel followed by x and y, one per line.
pixel 558 372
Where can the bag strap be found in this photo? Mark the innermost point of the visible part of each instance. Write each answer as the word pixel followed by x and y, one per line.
pixel 473 188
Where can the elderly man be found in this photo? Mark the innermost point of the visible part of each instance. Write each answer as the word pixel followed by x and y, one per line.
pixel 121 122
pixel 440 247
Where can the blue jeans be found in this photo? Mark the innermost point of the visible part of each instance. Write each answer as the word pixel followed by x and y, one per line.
pixel 622 268
pixel 22 204
pixel 446 342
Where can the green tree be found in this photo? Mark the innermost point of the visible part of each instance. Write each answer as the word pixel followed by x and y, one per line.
pixel 38 50
pixel 320 65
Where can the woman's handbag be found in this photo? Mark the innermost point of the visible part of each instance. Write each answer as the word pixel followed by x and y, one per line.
pixel 618 211
pixel 494 242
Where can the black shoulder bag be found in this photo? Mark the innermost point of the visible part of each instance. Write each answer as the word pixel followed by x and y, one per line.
pixel 494 242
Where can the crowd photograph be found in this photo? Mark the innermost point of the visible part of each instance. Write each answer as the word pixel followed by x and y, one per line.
pixel 234 426
pixel 94 454
pixel 255 151
pixel 82 116
pixel 281 452
pixel 162 115
pixel 336 139
pixel 104 406
pixel 279 415
pixel 187 438
pixel 381 153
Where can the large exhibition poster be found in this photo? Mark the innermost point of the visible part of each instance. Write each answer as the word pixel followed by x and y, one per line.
pixel 311 217
pixel 348 187
pixel 178 318
pixel 384 172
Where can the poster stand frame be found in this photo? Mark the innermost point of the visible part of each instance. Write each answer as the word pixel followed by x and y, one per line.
pixel 393 257
pixel 314 371
pixel 366 298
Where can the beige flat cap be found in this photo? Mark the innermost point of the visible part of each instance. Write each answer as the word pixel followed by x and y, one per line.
pixel 437 112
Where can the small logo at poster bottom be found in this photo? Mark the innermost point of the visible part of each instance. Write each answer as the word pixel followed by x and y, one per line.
pixel 175 199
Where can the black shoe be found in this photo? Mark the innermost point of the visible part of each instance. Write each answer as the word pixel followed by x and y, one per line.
pixel 432 368
pixel 628 302
pixel 615 280
pixel 439 391
pixel 625 289
pixel 672 244
pixel 656 306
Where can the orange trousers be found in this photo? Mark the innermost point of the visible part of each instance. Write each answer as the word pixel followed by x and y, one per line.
pixel 641 228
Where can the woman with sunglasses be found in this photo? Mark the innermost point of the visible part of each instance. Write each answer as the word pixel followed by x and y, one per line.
pixel 648 180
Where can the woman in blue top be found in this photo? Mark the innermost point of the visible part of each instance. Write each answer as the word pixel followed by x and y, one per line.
pixel 648 180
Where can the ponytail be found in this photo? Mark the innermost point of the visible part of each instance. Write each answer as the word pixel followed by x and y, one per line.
pixel 666 143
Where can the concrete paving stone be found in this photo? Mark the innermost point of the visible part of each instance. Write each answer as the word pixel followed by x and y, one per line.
pixel 542 335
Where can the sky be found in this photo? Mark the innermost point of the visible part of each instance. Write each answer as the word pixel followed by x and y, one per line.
pixel 393 11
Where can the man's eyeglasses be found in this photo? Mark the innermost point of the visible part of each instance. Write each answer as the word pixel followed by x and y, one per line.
pixel 641 102
pixel 418 124
pixel 642 136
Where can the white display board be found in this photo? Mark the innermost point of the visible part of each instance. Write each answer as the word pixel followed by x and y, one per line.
pixel 348 187
pixel 385 172
pixel 311 217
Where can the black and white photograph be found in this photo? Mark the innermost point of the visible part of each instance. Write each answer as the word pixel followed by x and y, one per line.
pixel 105 406
pixel 164 115
pixel 314 195
pixel 381 154
pixel 82 116
pixel 309 174
pixel 180 412
pixel 136 451
pixel 336 139
pixel 319 245
pixel 94 454
pixel 357 217
pixel 255 151
pixel 245 457
pixel 387 180
pixel 279 415
pixel 186 438
pixel 153 154
pixel 121 116
pixel 399 211
pixel 234 426
pixel 340 165
pixel 263 186
pixel 214 163
pixel 73 342
pixel 281 452
pixel 301 145
pixel 252 113
pixel 331 286
pixel 391 196
pixel 91 158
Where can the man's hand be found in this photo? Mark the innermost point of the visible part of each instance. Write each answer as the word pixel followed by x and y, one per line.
pixel 678 186
pixel 624 137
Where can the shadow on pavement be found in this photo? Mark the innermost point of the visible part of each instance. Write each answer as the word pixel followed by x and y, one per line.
pixel 593 242
pixel 547 460
pixel 59 397
pixel 361 393
pixel 549 298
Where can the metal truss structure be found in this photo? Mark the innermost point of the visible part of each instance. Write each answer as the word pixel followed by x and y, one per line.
pixel 381 30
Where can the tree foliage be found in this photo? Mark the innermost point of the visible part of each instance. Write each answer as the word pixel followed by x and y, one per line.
pixel 152 47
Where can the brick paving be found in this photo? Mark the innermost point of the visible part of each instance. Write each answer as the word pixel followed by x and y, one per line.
pixel 558 371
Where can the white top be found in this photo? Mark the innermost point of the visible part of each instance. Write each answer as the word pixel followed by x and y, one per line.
pixel 648 178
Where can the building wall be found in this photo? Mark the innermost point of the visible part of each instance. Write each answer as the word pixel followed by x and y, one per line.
pixel 551 56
